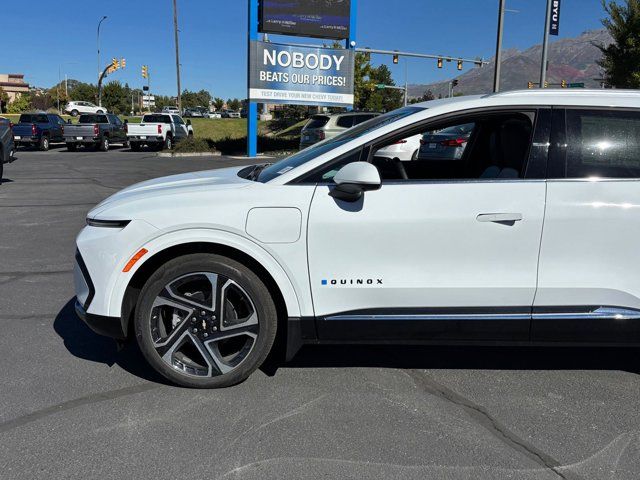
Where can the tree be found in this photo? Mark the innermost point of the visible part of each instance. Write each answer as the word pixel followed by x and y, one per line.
pixel 195 99
pixel 367 95
pixel 234 104
pixel 218 103
pixel 20 104
pixel 84 92
pixel 4 100
pixel 621 59
pixel 116 98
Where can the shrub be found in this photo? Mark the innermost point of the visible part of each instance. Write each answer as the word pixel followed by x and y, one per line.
pixel 194 145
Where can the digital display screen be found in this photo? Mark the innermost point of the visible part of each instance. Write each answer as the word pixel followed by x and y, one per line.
pixel 306 18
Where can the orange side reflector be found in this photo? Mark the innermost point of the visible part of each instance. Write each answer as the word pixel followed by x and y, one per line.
pixel 134 259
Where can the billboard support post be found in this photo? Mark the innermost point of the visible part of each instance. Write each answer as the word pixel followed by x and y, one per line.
pixel 252 107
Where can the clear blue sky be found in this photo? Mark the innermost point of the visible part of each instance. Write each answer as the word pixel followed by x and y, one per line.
pixel 40 39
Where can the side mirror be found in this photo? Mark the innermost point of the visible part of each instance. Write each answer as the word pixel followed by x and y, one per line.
pixel 188 122
pixel 353 180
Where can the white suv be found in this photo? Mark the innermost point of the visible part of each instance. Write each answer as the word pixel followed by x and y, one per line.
pixel 338 244
pixel 78 108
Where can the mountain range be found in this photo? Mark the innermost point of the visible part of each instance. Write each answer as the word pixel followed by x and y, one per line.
pixel 571 59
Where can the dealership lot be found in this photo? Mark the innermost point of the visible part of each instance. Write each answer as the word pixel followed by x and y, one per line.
pixel 72 406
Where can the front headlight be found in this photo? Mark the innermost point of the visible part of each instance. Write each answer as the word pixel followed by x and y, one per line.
pixel 93 222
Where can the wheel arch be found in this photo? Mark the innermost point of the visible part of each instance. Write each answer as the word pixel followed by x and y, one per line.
pixel 282 293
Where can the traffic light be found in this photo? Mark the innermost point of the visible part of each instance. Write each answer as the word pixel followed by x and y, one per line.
pixel 123 63
pixel 396 59
pixel 454 83
pixel 530 85
pixel 563 84
pixel 114 64
pixel 367 56
pixel 145 71
pixel 546 84
pixel 460 64
pixel 439 62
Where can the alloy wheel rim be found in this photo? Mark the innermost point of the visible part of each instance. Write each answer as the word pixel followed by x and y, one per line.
pixel 203 324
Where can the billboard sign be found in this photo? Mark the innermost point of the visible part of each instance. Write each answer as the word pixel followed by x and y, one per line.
pixel 306 18
pixel 554 26
pixel 300 75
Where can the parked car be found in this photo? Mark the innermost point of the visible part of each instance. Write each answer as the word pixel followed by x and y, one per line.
pixel 39 129
pixel 77 108
pixel 7 147
pixel 405 149
pixel 204 269
pixel 97 131
pixel 214 115
pixel 447 143
pixel 230 114
pixel 321 127
pixel 173 110
pixel 159 130
pixel 193 113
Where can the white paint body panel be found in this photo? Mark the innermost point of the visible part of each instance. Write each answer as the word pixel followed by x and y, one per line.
pixel 425 243
pixel 590 253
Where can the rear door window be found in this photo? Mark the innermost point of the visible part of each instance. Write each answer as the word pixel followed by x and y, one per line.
pixel 602 143
pixel 362 118
pixel 317 121
pixel 346 121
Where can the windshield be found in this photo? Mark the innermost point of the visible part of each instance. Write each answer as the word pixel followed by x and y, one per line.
pixel 93 119
pixel 33 118
pixel 156 119
pixel 308 154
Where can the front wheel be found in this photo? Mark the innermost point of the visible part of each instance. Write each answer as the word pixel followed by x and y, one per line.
pixel 205 321
pixel 74 113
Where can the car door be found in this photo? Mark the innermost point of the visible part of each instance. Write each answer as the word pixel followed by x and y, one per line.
pixel 589 288
pixel 180 127
pixel 439 255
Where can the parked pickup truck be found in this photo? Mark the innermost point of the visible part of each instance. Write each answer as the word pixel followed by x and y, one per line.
pixel 158 130
pixel 97 131
pixel 39 130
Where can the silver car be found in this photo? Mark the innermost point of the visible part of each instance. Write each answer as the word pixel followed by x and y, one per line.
pixel 321 127
pixel 446 144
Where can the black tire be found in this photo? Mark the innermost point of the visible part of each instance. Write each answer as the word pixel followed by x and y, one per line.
pixel 415 155
pixel 72 147
pixel 168 143
pixel 233 271
pixel 99 112
pixel 104 144
pixel 135 146
pixel 43 145
pixel 75 113
pixel 125 144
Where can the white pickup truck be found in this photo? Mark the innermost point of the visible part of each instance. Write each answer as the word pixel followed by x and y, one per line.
pixel 158 130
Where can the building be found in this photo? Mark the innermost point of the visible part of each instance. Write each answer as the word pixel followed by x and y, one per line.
pixel 13 85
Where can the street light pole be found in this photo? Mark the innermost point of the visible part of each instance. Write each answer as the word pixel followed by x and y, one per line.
pixel 498 59
pixel 100 66
pixel 545 45
pixel 175 27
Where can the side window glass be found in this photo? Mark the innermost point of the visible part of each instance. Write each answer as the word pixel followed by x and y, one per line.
pixel 489 147
pixel 362 118
pixel 603 144
pixel 345 122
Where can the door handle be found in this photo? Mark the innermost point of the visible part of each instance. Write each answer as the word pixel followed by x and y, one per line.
pixel 499 217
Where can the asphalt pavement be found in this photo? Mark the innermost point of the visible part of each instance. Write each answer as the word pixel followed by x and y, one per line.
pixel 74 407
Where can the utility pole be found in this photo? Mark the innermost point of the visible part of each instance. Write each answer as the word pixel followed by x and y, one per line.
pixel 175 27
pixel 100 66
pixel 545 45
pixel 498 59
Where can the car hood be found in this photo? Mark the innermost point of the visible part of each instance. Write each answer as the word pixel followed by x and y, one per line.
pixel 175 184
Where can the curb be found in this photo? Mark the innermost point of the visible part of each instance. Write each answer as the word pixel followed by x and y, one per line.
pixel 195 154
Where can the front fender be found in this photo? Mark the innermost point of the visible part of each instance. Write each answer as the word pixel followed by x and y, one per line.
pixel 204 235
